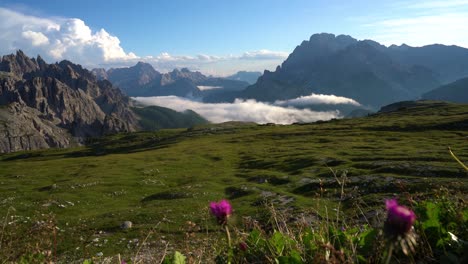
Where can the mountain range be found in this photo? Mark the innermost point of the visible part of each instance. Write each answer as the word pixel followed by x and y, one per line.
pixel 62 104
pixel 143 80
pixel 245 76
pixel 59 105
pixel 366 71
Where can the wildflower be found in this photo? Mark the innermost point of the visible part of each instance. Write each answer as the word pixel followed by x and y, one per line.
pixel 242 246
pixel 222 210
pixel 398 229
pixel 399 219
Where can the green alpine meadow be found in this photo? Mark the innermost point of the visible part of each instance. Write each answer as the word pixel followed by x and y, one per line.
pixel 233 132
pixel 317 178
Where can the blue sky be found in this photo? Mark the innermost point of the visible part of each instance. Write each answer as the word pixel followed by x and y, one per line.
pixel 215 37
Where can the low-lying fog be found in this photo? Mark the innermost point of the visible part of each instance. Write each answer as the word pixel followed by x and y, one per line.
pixel 279 112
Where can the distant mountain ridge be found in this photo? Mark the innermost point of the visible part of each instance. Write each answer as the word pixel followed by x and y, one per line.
pixel 453 92
pixel 366 71
pixel 245 76
pixel 143 80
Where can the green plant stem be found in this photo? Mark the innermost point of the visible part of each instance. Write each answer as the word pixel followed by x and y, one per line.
pixel 228 237
pixel 389 254
pixel 459 161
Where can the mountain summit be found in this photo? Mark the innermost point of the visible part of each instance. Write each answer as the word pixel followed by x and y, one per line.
pixel 366 71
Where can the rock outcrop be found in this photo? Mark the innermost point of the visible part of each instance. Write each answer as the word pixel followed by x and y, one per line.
pixel 62 103
pixel 21 128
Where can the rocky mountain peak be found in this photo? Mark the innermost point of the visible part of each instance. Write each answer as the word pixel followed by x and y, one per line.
pixel 64 94
pixel 318 47
pixel 144 67
pixel 18 64
pixel 364 70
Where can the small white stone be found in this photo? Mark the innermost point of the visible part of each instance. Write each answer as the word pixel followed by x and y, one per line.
pixel 126 225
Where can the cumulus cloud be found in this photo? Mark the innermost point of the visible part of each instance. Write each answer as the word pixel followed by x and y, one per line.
pixel 58 38
pixel 315 99
pixel 36 38
pixel 240 110
pixel 72 39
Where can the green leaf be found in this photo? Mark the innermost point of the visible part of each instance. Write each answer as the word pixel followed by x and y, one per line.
pixel 367 241
pixel 277 241
pixel 289 260
pixel 337 237
pixel 178 258
pixel 255 240
pixel 432 214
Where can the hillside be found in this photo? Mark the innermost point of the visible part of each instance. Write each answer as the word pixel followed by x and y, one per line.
pixel 156 117
pixel 373 74
pixel 162 181
pixel 453 92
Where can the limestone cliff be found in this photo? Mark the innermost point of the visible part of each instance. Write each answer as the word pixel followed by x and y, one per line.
pixel 62 103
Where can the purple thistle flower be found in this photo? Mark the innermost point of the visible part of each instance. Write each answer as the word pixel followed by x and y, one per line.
pixel 222 210
pixel 399 219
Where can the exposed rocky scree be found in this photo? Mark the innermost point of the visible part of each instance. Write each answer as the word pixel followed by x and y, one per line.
pixel 56 105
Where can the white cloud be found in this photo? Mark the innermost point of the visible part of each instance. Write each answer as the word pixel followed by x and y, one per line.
pixel 205 87
pixel 315 99
pixel 72 39
pixel 422 23
pixel 36 38
pixel 438 4
pixel 240 110
pixel 264 55
pixel 58 38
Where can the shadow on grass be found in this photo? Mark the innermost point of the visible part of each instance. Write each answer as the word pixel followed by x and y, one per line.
pixel 130 143
pixel 167 195
pixel 237 192
pixel 292 166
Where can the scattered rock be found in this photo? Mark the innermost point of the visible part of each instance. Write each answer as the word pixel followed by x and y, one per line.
pixel 126 225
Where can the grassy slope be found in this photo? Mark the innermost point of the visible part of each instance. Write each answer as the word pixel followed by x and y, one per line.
pixel 156 117
pixel 168 177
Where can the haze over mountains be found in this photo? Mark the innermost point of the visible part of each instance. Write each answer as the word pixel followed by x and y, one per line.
pixel 143 80
pixel 453 92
